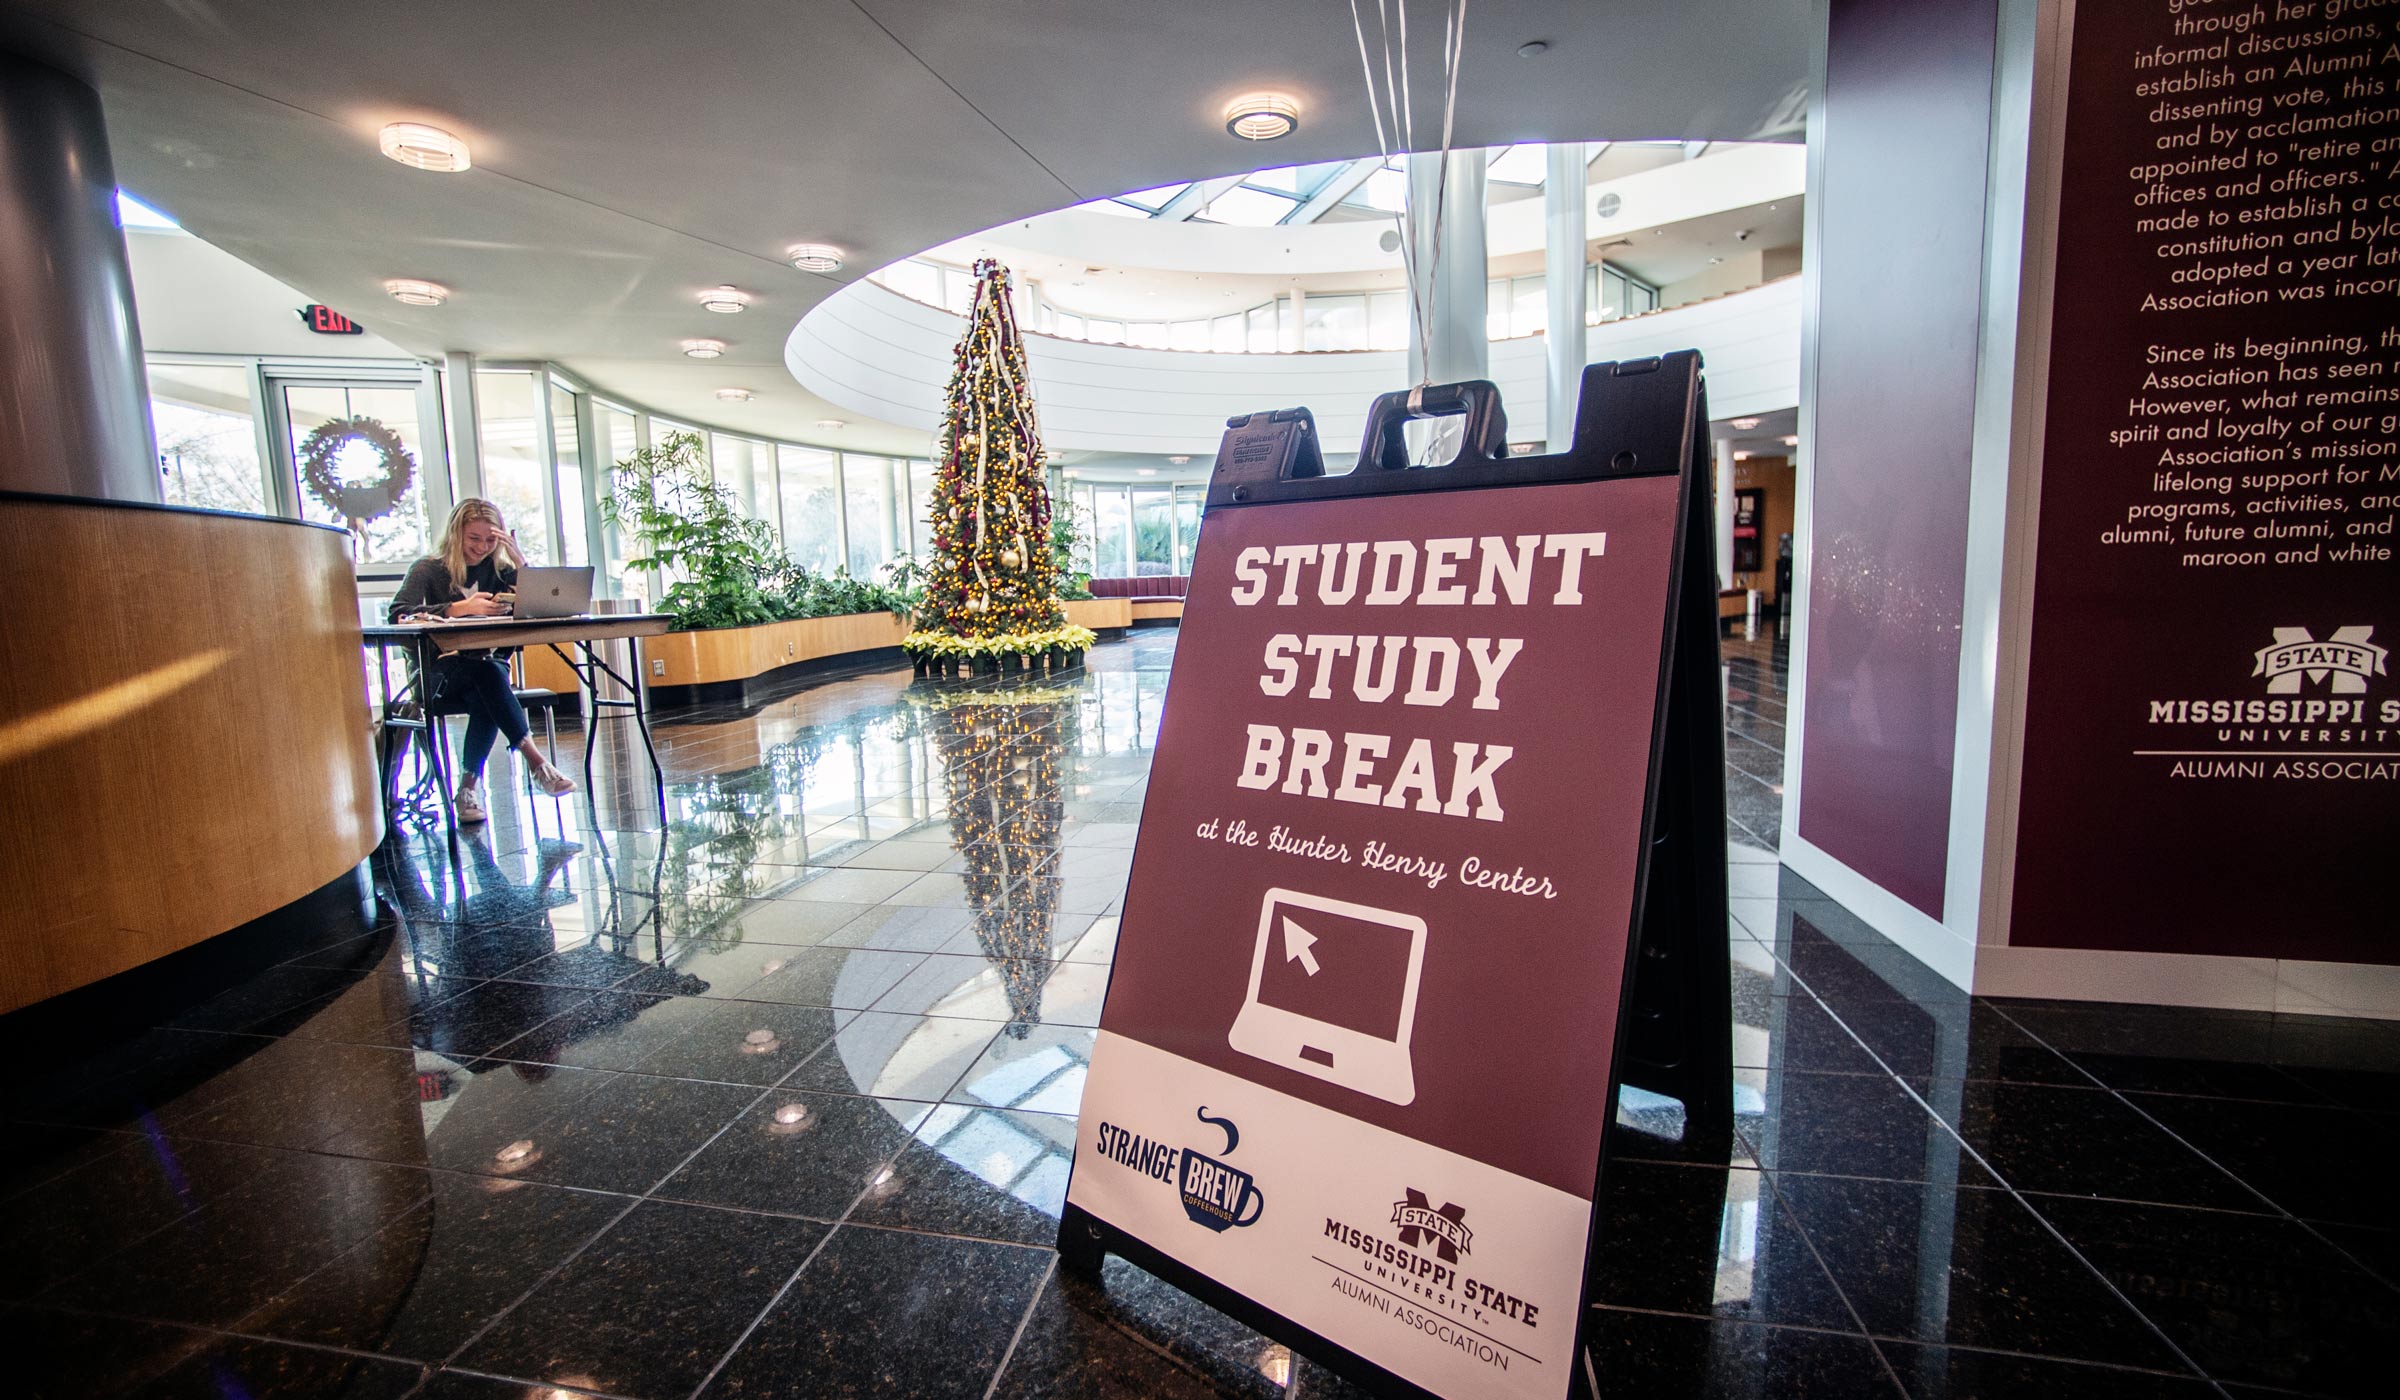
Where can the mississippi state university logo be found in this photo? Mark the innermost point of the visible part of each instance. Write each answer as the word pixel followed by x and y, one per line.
pixel 1421 1225
pixel 2346 659
pixel 1215 1195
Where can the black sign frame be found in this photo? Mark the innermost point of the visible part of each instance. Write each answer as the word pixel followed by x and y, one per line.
pixel 1674 1034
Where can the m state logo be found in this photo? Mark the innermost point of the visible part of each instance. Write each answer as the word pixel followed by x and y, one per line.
pixel 1420 1222
pixel 2346 657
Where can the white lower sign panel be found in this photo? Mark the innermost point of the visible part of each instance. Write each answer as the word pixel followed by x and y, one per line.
pixel 1449 1272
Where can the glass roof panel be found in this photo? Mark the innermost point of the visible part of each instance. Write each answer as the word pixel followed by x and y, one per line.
pixel 1386 189
pixel 1153 199
pixel 1520 165
pixel 1286 180
pixel 132 213
pixel 1256 208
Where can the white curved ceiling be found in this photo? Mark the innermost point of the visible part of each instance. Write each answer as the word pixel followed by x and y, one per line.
pixel 631 153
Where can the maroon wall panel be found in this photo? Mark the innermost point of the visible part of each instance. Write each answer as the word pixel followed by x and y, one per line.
pixel 2212 731
pixel 1900 268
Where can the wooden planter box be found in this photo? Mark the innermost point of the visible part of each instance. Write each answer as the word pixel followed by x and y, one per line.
pixel 734 654
pixel 1101 614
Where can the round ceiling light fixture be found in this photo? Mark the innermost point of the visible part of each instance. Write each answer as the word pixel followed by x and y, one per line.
pixel 815 257
pixel 726 300
pixel 734 395
pixel 832 424
pixel 408 291
pixel 422 147
pixel 1743 425
pixel 1179 459
pixel 1148 471
pixel 1262 116
pixel 704 349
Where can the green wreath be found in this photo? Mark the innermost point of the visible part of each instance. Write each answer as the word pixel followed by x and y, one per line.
pixel 356 501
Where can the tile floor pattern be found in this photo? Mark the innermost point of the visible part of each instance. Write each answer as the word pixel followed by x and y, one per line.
pixel 780 1101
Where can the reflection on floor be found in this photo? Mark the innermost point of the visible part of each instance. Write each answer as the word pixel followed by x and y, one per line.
pixel 779 1100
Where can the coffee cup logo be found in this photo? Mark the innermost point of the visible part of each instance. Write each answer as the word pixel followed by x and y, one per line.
pixel 1218 1196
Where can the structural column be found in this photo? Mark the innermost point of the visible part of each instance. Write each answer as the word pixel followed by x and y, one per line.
pixel 1563 198
pixel 1448 341
pixel 1724 518
pixel 77 421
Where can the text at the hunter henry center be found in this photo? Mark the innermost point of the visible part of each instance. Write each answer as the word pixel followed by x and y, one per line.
pixel 1408 671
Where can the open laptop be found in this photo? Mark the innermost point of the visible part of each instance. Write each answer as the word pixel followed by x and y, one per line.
pixel 554 592
pixel 1333 992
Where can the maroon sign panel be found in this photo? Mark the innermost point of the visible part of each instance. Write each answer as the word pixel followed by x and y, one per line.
pixel 2212 729
pixel 1355 1057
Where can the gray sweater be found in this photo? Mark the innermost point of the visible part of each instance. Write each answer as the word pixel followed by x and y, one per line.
pixel 428 587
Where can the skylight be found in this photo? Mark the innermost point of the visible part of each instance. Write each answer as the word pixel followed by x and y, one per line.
pixel 1244 205
pixel 1520 165
pixel 132 213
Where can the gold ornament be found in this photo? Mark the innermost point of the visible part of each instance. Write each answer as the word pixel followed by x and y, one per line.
pixel 1009 559
pixel 979 603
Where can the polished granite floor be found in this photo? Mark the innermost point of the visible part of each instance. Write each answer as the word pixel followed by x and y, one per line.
pixel 778 1101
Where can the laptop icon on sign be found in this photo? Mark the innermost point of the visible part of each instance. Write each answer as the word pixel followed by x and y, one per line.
pixel 1333 992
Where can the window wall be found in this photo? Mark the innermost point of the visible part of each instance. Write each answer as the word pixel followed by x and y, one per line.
pixel 509 418
pixel 1331 320
pixel 208 441
pixel 1138 531
pixel 228 429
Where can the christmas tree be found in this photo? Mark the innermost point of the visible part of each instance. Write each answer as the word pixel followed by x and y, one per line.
pixel 992 587
pixel 1003 764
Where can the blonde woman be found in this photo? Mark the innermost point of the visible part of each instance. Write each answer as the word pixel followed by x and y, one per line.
pixel 477 560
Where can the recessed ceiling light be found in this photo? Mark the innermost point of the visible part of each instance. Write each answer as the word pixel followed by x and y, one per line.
pixel 1741 456
pixel 1149 471
pixel 1180 460
pixel 815 257
pixel 421 147
pixel 410 292
pixel 725 300
pixel 1791 442
pixel 831 424
pixel 704 349
pixel 1262 116
pixel 734 395
pixel 1743 425
pixel 1712 262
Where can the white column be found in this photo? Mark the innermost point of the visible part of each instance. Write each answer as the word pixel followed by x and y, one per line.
pixel 1290 335
pixel 1724 513
pixel 1564 195
pixel 466 442
pixel 1451 298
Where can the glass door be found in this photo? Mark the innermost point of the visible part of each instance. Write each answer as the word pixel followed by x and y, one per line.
pixel 353 453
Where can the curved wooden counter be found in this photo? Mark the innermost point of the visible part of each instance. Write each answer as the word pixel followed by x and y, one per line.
pixel 184 734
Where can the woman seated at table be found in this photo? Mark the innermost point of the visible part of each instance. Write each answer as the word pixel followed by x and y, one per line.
pixel 477 561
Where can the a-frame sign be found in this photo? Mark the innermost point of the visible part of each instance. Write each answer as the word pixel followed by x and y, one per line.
pixel 1432 860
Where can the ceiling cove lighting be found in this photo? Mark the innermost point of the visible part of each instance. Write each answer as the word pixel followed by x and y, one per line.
pixel 409 292
pixel 704 349
pixel 815 257
pixel 734 395
pixel 421 147
pixel 726 300
pixel 1262 116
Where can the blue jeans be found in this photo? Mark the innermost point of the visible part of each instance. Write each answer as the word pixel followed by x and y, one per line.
pixel 477 687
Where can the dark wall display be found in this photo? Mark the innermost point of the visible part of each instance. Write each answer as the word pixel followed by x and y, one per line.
pixel 1749 520
pixel 2212 732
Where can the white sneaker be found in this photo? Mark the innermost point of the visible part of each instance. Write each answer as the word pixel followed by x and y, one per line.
pixel 469 805
pixel 553 782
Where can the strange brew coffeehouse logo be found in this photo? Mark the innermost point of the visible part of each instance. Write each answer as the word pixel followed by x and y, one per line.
pixel 1216 1195
pixel 2315 721
pixel 1421 1225
pixel 2346 658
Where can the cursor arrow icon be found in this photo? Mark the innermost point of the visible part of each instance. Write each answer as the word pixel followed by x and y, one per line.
pixel 1296 944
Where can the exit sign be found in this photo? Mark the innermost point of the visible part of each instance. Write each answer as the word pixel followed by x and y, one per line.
pixel 324 320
